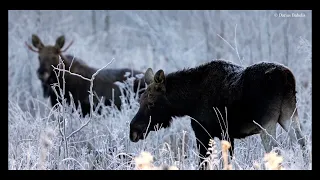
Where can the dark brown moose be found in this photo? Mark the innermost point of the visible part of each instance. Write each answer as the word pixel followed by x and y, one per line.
pixel 103 85
pixel 260 95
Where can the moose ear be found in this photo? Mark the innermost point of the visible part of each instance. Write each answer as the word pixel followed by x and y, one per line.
pixel 159 77
pixel 148 76
pixel 60 42
pixel 36 42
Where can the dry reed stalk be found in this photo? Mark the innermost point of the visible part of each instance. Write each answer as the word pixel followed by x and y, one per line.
pixel 144 161
pixel 273 161
pixel 225 145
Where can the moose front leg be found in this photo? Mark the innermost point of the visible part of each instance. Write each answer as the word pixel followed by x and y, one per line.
pixel 231 150
pixel 53 100
pixel 202 145
pixel 202 138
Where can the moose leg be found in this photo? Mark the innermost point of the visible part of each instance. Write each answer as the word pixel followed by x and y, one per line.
pixel 202 131
pixel 232 147
pixel 202 144
pixel 268 135
pixel 289 121
pixel 294 131
pixel 85 109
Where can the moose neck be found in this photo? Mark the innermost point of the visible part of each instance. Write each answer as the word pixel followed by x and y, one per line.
pixel 182 91
pixel 66 61
pixel 77 66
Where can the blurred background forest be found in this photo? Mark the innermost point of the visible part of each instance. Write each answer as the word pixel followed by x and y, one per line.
pixel 160 39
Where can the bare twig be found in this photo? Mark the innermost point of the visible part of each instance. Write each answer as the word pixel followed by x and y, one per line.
pixel 235 43
pixel 289 129
pixel 91 85
pixel 74 74
pixel 71 63
pixel 66 154
pixel 145 134
pixel 226 42
pixel 267 132
pixel 62 93
pixel 91 99
pixel 225 133
pixel 204 130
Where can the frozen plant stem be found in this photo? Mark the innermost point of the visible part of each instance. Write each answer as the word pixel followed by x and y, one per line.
pixel 63 131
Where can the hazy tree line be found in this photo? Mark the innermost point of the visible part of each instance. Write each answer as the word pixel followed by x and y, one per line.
pixel 160 39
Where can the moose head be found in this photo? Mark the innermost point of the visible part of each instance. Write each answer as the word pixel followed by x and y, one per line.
pixel 48 55
pixel 154 107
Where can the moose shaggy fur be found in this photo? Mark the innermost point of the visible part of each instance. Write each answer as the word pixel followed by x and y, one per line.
pixel 103 85
pixel 223 100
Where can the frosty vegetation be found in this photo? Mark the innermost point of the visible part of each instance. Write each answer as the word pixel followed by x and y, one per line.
pixel 169 40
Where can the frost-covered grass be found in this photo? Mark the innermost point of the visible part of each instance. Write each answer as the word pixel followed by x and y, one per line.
pixel 36 142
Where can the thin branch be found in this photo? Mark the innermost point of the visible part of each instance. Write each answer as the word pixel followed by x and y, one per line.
pixel 289 129
pixel 201 126
pixel 63 70
pixel 71 63
pixel 66 147
pixel 235 43
pixel 91 94
pixel 224 133
pixel 91 85
pixel 91 99
pixel 145 134
pixel 227 42
pixel 85 124
pixel 267 132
